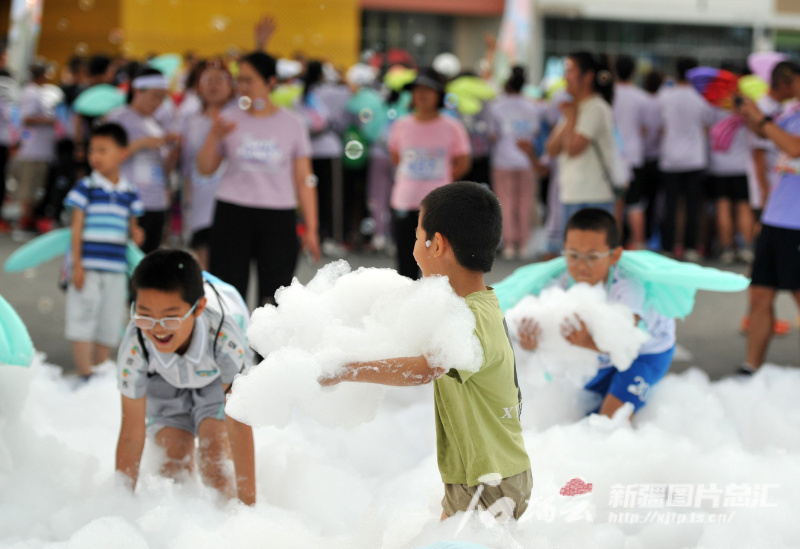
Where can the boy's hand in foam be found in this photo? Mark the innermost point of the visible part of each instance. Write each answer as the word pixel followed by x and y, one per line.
pixel 575 331
pixel 329 381
pixel 529 334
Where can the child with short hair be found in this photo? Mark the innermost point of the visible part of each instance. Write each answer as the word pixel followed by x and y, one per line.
pixel 104 210
pixel 176 364
pixel 481 452
pixel 592 250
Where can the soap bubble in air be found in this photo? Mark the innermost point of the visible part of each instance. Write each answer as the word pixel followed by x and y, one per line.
pixel 451 101
pixel 365 115
pixel 419 40
pixel 368 225
pixel 353 150
pixel 312 181
pixel 245 103
pixel 45 305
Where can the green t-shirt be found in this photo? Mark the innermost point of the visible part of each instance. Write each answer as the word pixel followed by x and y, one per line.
pixel 478 431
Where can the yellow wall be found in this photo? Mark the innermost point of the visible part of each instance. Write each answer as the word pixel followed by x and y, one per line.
pixel 327 29
pixel 72 27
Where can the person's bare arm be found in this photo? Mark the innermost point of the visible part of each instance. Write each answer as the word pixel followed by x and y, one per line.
pixel 529 334
pixel 760 168
pixel 572 142
pixel 209 158
pixel 530 150
pixel 553 145
pixel 461 166
pixel 243 453
pixel 145 143
pixel 757 123
pixel 785 141
pixel 263 31
pixel 392 371
pixel 307 196
pixel 39 121
pixel 136 232
pixel 131 438
pixel 78 274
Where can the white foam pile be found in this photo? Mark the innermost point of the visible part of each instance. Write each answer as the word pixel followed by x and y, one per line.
pixel 611 325
pixel 344 317
pixel 377 484
pixel 705 464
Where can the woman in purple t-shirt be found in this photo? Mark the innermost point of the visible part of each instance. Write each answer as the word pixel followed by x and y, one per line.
pixel 150 152
pixel 215 92
pixel 268 173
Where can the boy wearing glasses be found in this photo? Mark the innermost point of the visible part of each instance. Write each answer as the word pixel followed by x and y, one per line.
pixel 176 364
pixel 592 250
pixel 104 209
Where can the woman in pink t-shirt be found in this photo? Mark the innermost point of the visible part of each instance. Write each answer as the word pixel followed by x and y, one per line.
pixel 268 173
pixel 429 150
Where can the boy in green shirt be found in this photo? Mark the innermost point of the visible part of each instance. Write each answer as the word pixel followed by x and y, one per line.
pixel 481 453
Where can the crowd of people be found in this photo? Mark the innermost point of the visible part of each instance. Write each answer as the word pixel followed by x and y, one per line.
pixel 227 151
pixel 649 159
pixel 256 158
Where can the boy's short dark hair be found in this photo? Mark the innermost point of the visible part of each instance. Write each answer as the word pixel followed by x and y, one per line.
pixel 112 130
pixel 468 215
pixel 98 64
pixel 684 65
pixel 595 219
pixel 784 72
pixel 169 271
pixel 625 66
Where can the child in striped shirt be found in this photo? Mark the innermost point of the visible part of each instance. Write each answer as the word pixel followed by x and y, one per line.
pixel 104 209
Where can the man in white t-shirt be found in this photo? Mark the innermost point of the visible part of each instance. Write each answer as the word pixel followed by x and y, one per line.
pixel 584 139
pixel 686 118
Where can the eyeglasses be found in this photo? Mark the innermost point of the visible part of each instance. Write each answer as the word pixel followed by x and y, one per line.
pixel 590 259
pixel 168 323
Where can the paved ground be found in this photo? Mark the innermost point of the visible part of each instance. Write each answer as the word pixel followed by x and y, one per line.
pixel 709 336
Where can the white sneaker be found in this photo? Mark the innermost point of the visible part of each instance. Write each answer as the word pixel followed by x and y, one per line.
pixel 727 257
pixel 746 256
pixel 331 248
pixel 692 255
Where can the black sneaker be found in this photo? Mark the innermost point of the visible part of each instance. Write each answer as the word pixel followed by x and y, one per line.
pixel 745 370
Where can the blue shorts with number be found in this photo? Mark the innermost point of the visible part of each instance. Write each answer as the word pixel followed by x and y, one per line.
pixel 634 384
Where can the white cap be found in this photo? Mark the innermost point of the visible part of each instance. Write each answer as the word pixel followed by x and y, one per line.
pixel 288 68
pixel 361 74
pixel 447 65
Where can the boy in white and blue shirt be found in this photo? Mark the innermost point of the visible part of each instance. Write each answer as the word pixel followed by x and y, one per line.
pixel 104 210
pixel 592 250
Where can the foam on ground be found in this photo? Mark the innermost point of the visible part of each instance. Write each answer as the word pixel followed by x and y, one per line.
pixel 343 317
pixel 377 485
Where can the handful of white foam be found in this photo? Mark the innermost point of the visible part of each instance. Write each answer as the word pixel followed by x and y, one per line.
pixel 612 326
pixel 343 317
